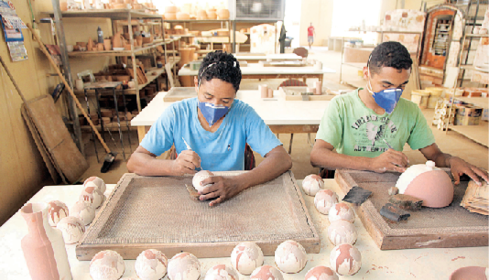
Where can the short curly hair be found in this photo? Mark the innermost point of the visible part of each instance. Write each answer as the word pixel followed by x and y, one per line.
pixel 389 54
pixel 221 65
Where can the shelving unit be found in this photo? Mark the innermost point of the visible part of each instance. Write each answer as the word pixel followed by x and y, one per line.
pixel 359 65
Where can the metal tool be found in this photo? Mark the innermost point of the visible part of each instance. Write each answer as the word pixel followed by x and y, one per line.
pixel 190 149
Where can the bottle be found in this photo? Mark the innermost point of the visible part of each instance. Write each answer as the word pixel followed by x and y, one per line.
pixel 43 246
pixel 100 35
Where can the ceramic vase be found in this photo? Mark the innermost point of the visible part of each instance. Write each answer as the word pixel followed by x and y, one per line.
pixel 43 246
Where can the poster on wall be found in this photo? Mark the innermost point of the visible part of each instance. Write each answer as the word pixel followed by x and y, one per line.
pixel 12 26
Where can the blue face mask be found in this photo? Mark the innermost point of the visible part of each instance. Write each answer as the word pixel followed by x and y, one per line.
pixel 387 99
pixel 212 113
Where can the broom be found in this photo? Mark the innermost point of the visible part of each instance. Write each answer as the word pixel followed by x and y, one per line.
pixel 110 156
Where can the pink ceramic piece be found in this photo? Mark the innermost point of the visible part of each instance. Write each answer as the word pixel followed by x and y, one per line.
pixel 341 211
pixel 246 257
pixel 72 229
pixel 470 273
pixel 83 211
pixel 43 246
pixel 266 272
pixel 93 196
pixel 221 272
pixel 324 200
pixel 312 184
pixel 151 264
pixel 321 273
pixel 290 257
pixel 107 265
pixel 95 181
pixel 426 182
pixel 319 89
pixel 57 210
pixel 342 231
pixel 263 91
pixel 345 259
pixel 184 266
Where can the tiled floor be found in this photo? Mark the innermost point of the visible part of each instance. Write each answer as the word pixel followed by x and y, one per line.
pixel 452 142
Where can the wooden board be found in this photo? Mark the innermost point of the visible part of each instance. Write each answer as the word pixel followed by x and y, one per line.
pixel 56 138
pixel 294 94
pixel 452 226
pixel 179 93
pixel 158 213
pixel 284 64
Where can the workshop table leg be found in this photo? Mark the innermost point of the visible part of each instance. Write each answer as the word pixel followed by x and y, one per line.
pixel 91 128
pixel 119 123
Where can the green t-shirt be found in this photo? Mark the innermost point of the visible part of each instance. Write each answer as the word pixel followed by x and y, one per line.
pixel 355 130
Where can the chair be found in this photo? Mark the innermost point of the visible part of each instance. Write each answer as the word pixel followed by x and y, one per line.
pixel 292 83
pixel 300 51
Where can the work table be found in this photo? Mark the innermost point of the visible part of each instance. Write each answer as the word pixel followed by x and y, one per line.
pixel 432 263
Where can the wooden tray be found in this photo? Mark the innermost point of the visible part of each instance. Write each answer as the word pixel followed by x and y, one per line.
pixel 452 226
pixel 179 93
pixel 158 213
pixel 294 94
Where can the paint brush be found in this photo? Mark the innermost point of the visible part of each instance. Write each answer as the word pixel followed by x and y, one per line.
pixel 190 149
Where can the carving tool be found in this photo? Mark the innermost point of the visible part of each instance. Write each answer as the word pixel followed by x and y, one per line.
pixel 190 149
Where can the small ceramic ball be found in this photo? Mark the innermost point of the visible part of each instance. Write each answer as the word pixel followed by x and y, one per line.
pixel 57 210
pixel 345 259
pixel 151 264
pixel 221 272
pixel 95 181
pixel 266 272
pixel 92 196
pixel 246 257
pixel 290 257
pixel 324 200
pixel 72 229
pixel 199 177
pixel 312 184
pixel 184 266
pixel 342 231
pixel 83 211
pixel 341 211
pixel 321 272
pixel 107 265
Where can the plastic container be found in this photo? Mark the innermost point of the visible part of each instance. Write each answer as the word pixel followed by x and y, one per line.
pixel 420 97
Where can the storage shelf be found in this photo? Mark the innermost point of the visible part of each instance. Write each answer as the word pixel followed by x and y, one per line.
pixel 477 133
pixel 112 53
pixel 115 14
pixel 197 20
pixel 477 36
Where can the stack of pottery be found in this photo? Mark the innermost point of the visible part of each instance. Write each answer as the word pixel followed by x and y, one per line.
pixel 183 16
pixel 171 13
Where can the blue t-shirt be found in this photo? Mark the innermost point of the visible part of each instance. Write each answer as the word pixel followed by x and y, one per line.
pixel 222 150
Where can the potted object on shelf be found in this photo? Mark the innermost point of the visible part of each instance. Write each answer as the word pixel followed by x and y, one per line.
pixel 139 40
pixel 201 15
pixel 211 14
pixel 107 45
pixel 223 14
pixel 117 40
pixel 183 16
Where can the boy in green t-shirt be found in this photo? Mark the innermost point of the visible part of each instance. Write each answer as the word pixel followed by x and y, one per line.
pixel 369 127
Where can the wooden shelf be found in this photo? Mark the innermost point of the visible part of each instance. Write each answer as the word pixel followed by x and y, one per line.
pixel 197 21
pixel 477 36
pixel 477 133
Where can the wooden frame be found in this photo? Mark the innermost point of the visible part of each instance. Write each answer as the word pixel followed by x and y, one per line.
pixel 389 238
pixel 100 235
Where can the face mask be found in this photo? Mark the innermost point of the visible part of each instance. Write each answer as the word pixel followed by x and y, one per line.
pixel 387 99
pixel 211 112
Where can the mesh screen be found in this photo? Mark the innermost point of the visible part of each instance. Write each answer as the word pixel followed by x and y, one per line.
pixel 160 210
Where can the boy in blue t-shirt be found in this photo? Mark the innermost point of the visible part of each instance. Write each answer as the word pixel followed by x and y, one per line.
pixel 217 128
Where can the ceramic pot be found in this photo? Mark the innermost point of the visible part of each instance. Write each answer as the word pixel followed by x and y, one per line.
pixel 170 9
pixel 116 40
pixel 139 40
pixel 107 45
pixel 43 246
pixel 201 14
pixel 263 91
pixel 183 16
pixel 223 14
pixel 170 16
pixel 211 15
pixel 426 182
pixel 90 44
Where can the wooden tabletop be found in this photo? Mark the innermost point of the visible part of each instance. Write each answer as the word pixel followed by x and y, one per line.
pixel 436 263
pixel 256 69
pixel 274 111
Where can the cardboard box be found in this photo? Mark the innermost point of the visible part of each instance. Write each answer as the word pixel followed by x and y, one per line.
pixel 468 115
pixel 485 115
